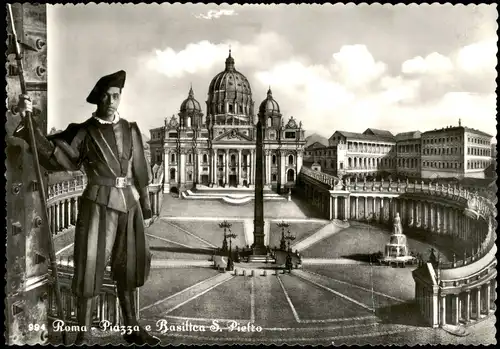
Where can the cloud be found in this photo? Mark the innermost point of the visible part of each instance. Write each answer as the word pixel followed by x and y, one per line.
pixel 201 57
pixel 355 66
pixel 352 91
pixel 434 63
pixel 216 14
pixel 479 57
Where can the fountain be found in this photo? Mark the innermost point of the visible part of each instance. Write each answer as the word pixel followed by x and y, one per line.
pixel 396 251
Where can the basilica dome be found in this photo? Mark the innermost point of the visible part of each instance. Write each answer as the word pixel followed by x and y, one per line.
pixel 269 105
pixel 269 111
pixel 229 92
pixel 190 103
pixel 190 114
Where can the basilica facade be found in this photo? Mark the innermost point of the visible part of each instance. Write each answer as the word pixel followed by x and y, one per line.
pixel 218 150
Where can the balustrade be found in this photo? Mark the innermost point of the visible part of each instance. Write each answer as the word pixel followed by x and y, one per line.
pixel 480 206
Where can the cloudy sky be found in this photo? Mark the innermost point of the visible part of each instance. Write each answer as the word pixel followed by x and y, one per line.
pixel 340 67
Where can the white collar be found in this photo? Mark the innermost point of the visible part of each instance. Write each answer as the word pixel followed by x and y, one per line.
pixel 106 122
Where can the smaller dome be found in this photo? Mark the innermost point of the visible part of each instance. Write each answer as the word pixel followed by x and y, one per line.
pixel 190 103
pixel 269 105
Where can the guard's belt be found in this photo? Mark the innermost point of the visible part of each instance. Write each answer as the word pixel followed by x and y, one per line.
pixel 118 182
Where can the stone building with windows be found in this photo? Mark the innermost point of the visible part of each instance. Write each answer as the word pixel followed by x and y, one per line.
pixel 364 154
pixel 408 154
pixel 219 151
pixel 455 151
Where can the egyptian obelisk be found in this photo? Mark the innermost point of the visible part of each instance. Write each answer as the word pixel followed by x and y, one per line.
pixel 258 247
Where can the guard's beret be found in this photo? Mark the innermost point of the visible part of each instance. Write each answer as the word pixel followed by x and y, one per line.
pixel 113 80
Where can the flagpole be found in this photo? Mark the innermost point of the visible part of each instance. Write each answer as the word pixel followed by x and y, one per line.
pixel 38 172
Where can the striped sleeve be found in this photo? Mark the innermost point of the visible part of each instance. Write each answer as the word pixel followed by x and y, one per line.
pixel 68 151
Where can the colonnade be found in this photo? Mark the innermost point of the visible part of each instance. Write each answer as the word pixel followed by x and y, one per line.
pixel 155 199
pixel 431 215
pixel 466 305
pixel 106 304
pixel 63 213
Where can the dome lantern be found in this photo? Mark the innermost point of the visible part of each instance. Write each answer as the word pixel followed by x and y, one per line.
pixel 229 62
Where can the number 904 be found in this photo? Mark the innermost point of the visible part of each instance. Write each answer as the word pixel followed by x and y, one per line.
pixel 36 327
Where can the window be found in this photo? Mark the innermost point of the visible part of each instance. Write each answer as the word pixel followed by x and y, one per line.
pixel 274 177
pixel 230 108
pixel 241 109
pixel 274 159
pixel 289 135
pixel 190 158
pixel 290 160
pixel 172 135
pixel 172 157
pixel 172 174
pixel 205 158
pixel 190 176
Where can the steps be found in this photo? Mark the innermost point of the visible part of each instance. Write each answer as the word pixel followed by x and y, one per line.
pixel 260 259
pixel 323 233
pixel 232 196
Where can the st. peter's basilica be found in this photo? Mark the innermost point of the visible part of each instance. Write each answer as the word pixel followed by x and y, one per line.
pixel 218 150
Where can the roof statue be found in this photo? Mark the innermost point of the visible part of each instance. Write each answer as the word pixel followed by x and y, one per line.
pixel 291 123
pixel 173 121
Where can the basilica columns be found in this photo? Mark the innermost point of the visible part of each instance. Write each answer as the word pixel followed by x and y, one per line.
pixel 226 178
pixel 214 167
pixel 240 160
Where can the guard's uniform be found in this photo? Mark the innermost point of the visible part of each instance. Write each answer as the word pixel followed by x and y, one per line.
pixel 110 224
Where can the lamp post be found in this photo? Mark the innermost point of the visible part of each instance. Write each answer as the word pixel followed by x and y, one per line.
pixel 290 238
pixel 225 225
pixel 283 225
pixel 229 256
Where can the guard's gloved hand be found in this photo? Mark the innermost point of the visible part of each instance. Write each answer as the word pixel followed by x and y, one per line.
pixel 24 105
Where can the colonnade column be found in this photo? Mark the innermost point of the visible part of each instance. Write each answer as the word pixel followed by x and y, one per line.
pixel 52 219
pixel 381 210
pixel 373 207
pixel 63 213
pixel 335 207
pixel 443 309
pixel 346 207
pixel 467 306
pixel 456 308
pixel 166 172
pixel 365 213
pixel 487 299
pixel 356 213
pixel 412 208
pixel 429 217
pixel 478 303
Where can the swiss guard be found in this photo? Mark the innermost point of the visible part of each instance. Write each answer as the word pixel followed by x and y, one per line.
pixel 115 204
